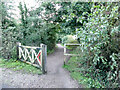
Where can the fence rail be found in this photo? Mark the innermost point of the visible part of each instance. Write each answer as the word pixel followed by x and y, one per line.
pixel 35 56
pixel 68 54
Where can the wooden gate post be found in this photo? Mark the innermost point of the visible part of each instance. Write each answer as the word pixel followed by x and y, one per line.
pixel 64 53
pixel 18 44
pixel 45 58
pixel 44 55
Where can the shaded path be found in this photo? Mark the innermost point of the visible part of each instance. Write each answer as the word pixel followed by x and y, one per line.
pixel 56 76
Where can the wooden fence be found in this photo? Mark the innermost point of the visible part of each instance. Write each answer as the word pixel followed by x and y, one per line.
pixel 68 54
pixel 35 56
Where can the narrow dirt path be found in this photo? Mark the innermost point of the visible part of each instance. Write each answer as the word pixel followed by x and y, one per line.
pixel 56 76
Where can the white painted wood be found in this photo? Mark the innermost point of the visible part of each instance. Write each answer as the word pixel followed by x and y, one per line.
pixel 23 52
pixel 65 49
pixel 72 54
pixel 30 47
pixel 67 54
pixel 73 44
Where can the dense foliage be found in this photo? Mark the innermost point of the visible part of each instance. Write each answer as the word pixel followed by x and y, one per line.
pixel 69 39
pixel 9 32
pixel 97 26
pixel 35 30
pixel 100 40
pixel 31 29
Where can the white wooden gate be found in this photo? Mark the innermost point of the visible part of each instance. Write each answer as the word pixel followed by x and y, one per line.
pixel 35 56
pixel 68 54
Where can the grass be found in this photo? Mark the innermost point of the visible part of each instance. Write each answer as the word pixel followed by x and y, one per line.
pixel 16 65
pixel 50 51
pixel 86 80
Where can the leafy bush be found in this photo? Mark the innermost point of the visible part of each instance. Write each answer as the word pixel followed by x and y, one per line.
pixel 9 31
pixel 68 39
pixel 9 39
pixel 64 39
pixel 100 42
pixel 59 38
pixel 36 30
pixel 75 71
pixel 31 31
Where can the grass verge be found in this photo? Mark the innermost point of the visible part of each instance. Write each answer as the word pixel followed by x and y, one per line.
pixel 50 51
pixel 16 65
pixel 85 79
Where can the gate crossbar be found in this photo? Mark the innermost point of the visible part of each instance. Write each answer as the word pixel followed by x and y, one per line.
pixel 37 59
pixel 67 54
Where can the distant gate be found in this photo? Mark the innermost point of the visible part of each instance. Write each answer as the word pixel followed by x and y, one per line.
pixel 67 54
pixel 35 56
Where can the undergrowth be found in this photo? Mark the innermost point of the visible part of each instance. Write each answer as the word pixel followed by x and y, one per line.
pixel 85 79
pixel 16 65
